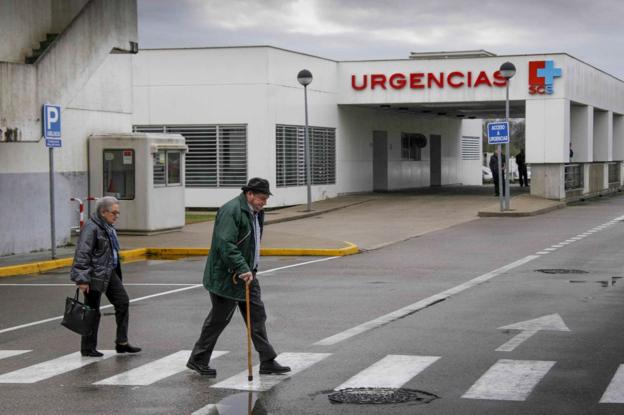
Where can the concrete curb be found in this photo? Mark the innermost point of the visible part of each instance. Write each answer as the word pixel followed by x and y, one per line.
pixel 516 214
pixel 139 254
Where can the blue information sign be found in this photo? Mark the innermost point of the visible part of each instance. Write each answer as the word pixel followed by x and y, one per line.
pixel 498 132
pixel 52 125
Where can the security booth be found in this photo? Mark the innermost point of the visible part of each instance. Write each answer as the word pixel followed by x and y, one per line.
pixel 145 172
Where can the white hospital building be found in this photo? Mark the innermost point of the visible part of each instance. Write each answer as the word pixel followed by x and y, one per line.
pixel 238 112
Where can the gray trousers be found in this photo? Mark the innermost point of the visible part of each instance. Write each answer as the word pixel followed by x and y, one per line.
pixel 220 316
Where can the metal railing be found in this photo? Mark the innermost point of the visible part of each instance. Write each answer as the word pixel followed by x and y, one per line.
pixel 573 176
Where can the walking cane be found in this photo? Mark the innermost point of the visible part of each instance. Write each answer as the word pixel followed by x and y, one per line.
pixel 249 372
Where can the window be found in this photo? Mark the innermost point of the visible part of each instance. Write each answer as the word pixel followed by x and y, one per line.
pixel 216 157
pixel 573 176
pixel 119 174
pixel 159 168
pixel 614 172
pixel 167 168
pixel 471 148
pixel 290 155
pixel 411 145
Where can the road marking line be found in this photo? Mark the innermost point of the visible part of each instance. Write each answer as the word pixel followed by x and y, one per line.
pixel 10 353
pixel 298 264
pixel 47 320
pixel 154 371
pixel 550 249
pixel 262 383
pixel 50 368
pixel 34 323
pixel 542 253
pixel 419 305
pixel 615 390
pixel 509 380
pixel 393 371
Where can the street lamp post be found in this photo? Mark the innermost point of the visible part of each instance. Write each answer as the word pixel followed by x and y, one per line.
pixel 305 78
pixel 507 70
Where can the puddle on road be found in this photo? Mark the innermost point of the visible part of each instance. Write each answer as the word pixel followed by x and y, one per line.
pixel 245 403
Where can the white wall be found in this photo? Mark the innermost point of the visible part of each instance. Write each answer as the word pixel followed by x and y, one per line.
pixel 256 86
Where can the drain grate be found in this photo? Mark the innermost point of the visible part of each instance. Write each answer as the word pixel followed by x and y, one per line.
pixel 561 271
pixel 380 396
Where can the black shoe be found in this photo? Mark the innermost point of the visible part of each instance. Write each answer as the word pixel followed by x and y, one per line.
pixel 126 348
pixel 271 366
pixel 202 369
pixel 91 353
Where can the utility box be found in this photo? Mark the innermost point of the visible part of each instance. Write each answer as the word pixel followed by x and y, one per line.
pixel 145 172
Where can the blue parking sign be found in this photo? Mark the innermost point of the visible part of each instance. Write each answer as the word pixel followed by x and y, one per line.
pixel 52 125
pixel 498 132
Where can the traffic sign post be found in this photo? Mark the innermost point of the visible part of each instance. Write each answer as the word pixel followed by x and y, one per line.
pixel 498 133
pixel 51 123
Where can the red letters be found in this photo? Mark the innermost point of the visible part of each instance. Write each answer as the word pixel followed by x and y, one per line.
pixel 378 79
pixel 397 81
pixel 422 80
pixel 359 87
pixel 431 79
pixel 500 80
pixel 416 80
pixel 482 79
pixel 452 75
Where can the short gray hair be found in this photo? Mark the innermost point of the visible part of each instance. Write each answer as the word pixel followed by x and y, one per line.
pixel 105 204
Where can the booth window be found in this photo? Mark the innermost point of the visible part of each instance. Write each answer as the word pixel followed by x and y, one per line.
pixel 290 155
pixel 119 172
pixel 216 157
pixel 411 145
pixel 167 168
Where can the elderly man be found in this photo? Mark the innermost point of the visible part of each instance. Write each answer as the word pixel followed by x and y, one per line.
pixel 233 262
pixel 97 270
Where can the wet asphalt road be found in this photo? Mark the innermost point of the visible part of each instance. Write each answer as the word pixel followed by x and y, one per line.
pixel 313 301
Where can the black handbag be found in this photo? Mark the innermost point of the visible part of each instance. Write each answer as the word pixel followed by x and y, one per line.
pixel 78 317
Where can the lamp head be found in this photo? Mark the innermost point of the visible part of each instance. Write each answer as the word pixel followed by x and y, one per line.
pixel 507 70
pixel 304 77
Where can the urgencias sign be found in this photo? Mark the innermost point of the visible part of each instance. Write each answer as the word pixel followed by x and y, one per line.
pixel 422 80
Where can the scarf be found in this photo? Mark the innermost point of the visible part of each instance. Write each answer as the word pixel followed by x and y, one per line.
pixel 112 236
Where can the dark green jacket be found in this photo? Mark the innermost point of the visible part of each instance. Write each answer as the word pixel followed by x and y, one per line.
pixel 232 249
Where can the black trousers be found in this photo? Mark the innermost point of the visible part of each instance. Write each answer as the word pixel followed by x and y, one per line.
pixel 495 179
pixel 118 297
pixel 522 175
pixel 220 316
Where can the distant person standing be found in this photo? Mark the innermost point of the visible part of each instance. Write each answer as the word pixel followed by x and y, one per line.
pixel 522 169
pixel 494 169
pixel 97 270
pixel 233 262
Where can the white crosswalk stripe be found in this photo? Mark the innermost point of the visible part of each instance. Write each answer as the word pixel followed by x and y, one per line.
pixel 154 371
pixel 393 371
pixel 509 380
pixel 51 368
pixel 260 383
pixel 615 390
pixel 10 353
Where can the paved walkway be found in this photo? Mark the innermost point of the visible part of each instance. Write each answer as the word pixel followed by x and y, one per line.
pixel 370 221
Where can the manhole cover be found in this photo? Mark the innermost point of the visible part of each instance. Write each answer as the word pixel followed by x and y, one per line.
pixel 380 396
pixel 561 271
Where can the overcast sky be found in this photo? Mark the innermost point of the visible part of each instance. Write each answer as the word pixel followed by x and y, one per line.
pixel 590 30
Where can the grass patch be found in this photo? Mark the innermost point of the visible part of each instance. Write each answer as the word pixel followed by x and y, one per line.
pixel 196 217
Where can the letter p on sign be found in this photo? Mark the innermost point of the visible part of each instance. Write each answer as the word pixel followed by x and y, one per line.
pixel 52 125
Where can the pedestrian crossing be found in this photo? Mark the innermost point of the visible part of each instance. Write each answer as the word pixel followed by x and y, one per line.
pixel 505 380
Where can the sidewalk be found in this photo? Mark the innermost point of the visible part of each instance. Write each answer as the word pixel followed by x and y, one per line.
pixel 368 221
